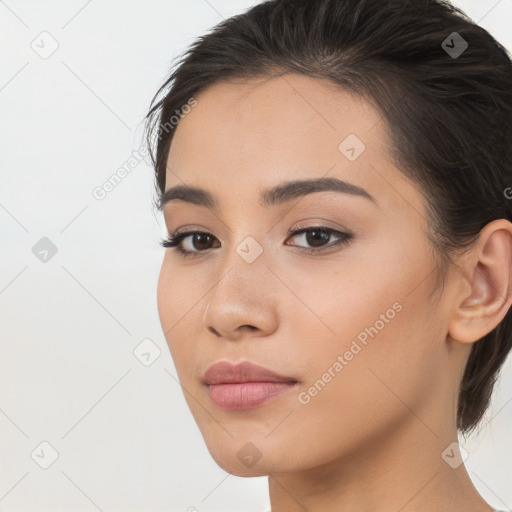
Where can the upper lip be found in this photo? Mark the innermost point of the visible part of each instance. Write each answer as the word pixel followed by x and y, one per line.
pixel 224 372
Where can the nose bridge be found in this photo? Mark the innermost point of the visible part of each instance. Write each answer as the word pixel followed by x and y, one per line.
pixel 242 294
pixel 241 271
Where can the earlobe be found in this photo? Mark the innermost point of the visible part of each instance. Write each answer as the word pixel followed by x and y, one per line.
pixel 489 267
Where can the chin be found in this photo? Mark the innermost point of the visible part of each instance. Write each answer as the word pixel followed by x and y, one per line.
pixel 238 462
pixel 235 467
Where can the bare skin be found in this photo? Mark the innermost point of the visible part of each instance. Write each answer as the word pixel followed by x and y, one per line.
pixel 372 438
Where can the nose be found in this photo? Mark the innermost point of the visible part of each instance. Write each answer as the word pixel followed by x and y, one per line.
pixel 243 303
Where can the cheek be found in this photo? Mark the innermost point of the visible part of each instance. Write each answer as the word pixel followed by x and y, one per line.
pixel 363 389
pixel 178 296
pixel 375 291
pixel 371 335
pixel 165 296
pixel 177 302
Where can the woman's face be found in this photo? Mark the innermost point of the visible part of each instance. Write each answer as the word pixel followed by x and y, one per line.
pixel 351 324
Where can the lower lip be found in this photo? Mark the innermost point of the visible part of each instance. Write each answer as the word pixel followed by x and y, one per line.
pixel 246 395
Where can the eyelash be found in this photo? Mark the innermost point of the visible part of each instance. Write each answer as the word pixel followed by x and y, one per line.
pixel 175 240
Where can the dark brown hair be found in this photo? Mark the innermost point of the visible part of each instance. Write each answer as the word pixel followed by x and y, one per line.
pixel 448 108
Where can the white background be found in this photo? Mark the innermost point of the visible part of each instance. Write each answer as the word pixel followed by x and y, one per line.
pixel 125 438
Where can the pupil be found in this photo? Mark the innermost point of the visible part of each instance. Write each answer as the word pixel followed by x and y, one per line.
pixel 314 240
pixel 198 237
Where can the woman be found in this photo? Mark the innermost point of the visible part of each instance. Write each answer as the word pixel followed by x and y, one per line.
pixel 336 287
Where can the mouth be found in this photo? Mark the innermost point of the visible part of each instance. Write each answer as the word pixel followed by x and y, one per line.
pixel 245 385
pixel 246 395
pixel 225 372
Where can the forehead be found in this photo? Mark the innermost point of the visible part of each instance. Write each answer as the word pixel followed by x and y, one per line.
pixel 289 115
pixel 249 135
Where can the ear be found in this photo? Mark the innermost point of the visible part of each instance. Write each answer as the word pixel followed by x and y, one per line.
pixel 486 293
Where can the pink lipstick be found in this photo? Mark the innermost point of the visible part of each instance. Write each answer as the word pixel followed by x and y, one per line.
pixel 245 385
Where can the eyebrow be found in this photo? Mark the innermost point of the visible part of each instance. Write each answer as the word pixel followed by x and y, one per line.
pixel 276 195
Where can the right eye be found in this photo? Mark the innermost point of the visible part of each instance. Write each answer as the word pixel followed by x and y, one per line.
pixel 198 238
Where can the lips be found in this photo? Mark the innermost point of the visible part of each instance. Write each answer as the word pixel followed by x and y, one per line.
pixel 227 373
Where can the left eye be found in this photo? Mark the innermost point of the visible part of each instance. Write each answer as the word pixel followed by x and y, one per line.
pixel 316 236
